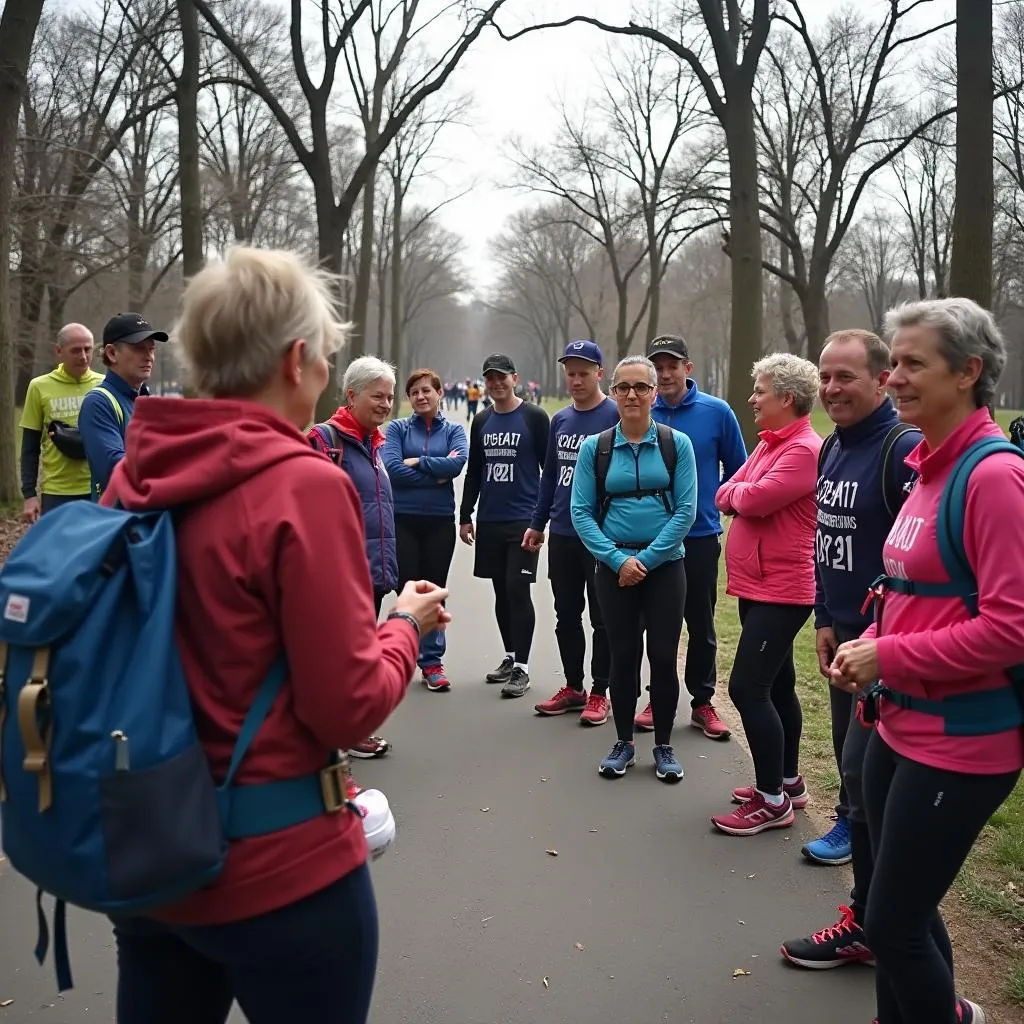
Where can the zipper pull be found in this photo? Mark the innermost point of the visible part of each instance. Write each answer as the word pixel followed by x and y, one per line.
pixel 122 760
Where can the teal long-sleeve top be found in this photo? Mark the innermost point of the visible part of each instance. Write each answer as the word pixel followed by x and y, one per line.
pixel 655 534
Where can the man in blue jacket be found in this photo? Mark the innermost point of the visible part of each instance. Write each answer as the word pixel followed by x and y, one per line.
pixel 862 483
pixel 129 351
pixel 718 447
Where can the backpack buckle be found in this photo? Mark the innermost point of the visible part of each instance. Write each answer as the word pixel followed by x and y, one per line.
pixel 332 786
pixel 36 725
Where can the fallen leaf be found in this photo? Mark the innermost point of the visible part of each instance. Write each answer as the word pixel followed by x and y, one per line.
pixel 740 973
pixel 581 947
pixel 754 875
pixel 552 853
pixel 742 922
pixel 486 919
pixel 547 982
pixel 591 829
pixel 485 809
pixel 5 1003
pixel 703 757
pixel 545 780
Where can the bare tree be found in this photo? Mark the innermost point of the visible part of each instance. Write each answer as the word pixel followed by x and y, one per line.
pixel 737 39
pixel 652 105
pixel 601 203
pixel 187 99
pixel 339 20
pixel 874 257
pixel 970 271
pixel 925 178
pixel 826 132
pixel 18 24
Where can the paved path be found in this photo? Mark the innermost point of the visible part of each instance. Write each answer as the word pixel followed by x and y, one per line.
pixel 475 914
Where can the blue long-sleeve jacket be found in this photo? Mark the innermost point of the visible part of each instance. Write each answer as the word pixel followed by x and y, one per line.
pixel 631 520
pixel 103 430
pixel 718 447
pixel 427 488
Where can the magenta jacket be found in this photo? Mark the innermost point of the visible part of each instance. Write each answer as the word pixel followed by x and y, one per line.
pixel 929 646
pixel 769 552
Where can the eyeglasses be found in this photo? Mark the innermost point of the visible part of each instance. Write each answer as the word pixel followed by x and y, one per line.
pixel 623 388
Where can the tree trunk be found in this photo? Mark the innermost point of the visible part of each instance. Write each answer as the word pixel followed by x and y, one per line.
pixel 25 332
pixel 364 272
pixel 747 292
pixel 654 309
pixel 17 30
pixel 814 305
pixel 331 251
pixel 187 96
pixel 382 304
pixel 971 264
pixel 397 327
pixel 621 331
pixel 794 342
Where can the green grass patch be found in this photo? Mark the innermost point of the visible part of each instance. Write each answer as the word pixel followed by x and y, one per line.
pixel 1015 984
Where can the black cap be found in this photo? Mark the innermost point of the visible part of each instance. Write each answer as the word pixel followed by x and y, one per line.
pixel 668 344
pixel 500 362
pixel 130 329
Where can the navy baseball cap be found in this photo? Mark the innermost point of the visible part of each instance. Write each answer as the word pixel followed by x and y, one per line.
pixel 669 345
pixel 500 362
pixel 588 350
pixel 130 329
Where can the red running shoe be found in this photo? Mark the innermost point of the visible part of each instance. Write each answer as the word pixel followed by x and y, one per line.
pixel 435 680
pixel 567 699
pixel 596 711
pixel 797 793
pixel 645 720
pixel 705 718
pixel 755 816
pixel 371 747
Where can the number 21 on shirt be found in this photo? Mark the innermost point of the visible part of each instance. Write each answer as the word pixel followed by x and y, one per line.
pixel 501 472
pixel 834 552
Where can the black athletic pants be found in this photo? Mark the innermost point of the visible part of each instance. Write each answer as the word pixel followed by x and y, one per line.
pixel 762 685
pixel 657 602
pixel 701 566
pixel 923 822
pixel 571 570
pixel 426 545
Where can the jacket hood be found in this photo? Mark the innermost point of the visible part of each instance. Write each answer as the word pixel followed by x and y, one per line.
pixel 351 427
pixel 61 374
pixel 689 397
pixel 182 451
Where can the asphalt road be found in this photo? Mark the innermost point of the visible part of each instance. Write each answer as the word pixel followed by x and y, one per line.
pixel 481 925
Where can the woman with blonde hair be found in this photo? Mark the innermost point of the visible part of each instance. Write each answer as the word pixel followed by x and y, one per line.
pixel 271 568
pixel 769 560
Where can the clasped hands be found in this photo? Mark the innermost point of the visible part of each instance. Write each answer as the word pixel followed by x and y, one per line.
pixel 855 665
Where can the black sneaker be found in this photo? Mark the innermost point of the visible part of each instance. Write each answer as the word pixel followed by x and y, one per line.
pixel 839 944
pixel 503 672
pixel 517 685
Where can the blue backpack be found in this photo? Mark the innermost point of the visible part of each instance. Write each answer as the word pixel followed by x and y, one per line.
pixel 107 801
pixel 964 714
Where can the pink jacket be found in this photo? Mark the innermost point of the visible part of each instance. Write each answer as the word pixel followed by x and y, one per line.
pixel 769 552
pixel 930 646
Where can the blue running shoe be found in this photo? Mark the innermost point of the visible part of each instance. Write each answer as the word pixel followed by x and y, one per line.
pixel 623 756
pixel 833 847
pixel 666 766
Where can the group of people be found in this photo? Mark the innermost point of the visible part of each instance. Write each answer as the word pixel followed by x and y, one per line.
pixel 632 489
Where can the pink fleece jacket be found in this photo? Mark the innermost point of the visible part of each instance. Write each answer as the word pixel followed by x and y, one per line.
pixel 930 646
pixel 769 552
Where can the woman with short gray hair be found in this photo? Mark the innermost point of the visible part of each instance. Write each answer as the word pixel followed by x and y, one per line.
pixel 352 439
pixel 769 559
pixel 948 748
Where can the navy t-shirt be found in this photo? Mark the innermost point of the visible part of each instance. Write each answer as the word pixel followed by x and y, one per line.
pixel 569 429
pixel 506 455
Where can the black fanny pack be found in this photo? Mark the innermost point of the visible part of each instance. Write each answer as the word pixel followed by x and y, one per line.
pixel 66 439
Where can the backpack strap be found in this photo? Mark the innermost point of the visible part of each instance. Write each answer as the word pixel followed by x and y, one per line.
pixel 826 446
pixel 602 462
pixel 892 496
pixel 667 444
pixel 331 436
pixel 118 411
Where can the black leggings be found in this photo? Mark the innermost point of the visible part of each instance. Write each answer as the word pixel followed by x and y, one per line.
pixel 657 602
pixel 762 685
pixel 923 822
pixel 425 545
pixel 513 608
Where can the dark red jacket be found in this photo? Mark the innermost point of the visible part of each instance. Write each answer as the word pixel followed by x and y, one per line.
pixel 271 556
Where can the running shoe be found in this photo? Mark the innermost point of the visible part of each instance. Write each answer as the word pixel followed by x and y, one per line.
pixel 756 815
pixel 502 672
pixel 596 711
pixel 622 756
pixel 666 767
pixel 371 747
pixel 836 946
pixel 705 718
pixel 435 679
pixel 517 685
pixel 645 720
pixel 833 847
pixel 567 699
pixel 796 791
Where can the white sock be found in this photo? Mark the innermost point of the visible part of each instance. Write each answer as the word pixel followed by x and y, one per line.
pixel 772 800
pixel 791 782
pixel 523 665
pixel 510 654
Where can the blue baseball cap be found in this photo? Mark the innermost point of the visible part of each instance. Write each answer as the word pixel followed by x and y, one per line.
pixel 587 350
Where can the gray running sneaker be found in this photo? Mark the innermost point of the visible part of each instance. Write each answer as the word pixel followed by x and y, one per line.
pixel 503 672
pixel 517 685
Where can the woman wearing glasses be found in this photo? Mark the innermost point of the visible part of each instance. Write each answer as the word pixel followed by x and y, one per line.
pixel 634 498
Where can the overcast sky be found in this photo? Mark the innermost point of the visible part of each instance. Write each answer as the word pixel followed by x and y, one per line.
pixel 516 87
